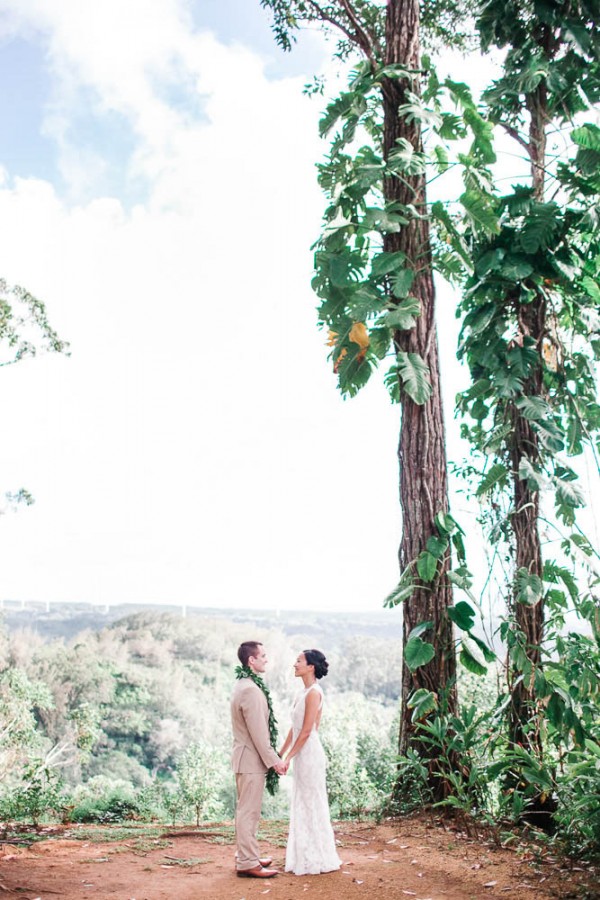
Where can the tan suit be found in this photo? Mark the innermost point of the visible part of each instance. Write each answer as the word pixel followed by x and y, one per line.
pixel 251 758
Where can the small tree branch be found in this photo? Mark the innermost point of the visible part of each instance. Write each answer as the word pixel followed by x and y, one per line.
pixel 512 131
pixel 358 38
pixel 368 41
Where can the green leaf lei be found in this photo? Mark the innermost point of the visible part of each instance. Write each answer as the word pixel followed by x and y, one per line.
pixel 246 672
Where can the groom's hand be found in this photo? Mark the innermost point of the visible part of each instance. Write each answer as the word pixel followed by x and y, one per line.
pixel 281 767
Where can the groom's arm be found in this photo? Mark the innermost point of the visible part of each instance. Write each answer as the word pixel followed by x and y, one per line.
pixel 253 710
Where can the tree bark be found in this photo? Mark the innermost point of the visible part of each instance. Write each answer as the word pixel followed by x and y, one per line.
pixel 422 450
pixel 525 519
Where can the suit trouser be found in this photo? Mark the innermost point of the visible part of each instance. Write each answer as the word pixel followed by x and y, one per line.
pixel 250 788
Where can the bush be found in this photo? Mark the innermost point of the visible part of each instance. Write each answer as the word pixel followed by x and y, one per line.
pixel 36 796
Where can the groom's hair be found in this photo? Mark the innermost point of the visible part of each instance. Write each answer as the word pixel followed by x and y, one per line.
pixel 248 649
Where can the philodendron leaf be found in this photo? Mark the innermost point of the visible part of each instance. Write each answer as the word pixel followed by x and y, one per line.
pixel 437 546
pixel 426 566
pixel 418 630
pixel 422 702
pixel 496 475
pixel 529 587
pixel 403 591
pixel 472 657
pixel 480 212
pixel 415 376
pixel 417 653
pixel 384 263
pixel 462 614
pixel 403 315
pixel 402 283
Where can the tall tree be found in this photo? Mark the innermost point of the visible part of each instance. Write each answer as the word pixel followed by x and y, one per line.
pixel 529 311
pixel 374 277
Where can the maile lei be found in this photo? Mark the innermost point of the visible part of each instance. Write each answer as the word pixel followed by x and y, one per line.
pixel 246 672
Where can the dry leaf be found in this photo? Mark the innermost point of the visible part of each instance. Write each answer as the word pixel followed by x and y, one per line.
pixel 332 338
pixel 490 884
pixel 410 893
pixel 359 335
pixel 339 359
pixel 393 841
pixel 356 881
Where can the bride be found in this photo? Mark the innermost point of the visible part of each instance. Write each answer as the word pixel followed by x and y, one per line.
pixel 311 844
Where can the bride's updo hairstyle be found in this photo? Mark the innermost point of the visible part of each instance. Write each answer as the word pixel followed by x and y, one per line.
pixel 317 659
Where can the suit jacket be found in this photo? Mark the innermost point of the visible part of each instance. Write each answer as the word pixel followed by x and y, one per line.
pixel 252 751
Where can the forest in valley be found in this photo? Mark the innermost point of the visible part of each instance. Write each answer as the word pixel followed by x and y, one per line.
pixel 487 705
pixel 132 720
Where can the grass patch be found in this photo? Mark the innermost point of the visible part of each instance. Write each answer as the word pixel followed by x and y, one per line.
pixel 185 863
pixel 274 831
pixel 109 833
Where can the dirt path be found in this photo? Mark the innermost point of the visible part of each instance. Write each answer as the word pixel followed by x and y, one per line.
pixel 411 858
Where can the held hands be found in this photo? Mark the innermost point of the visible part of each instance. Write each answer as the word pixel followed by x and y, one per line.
pixel 282 767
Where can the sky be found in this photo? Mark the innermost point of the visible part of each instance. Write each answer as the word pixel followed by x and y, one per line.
pixel 158 193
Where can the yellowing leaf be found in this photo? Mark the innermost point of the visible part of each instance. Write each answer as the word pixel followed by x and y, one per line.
pixel 359 335
pixel 332 338
pixel 339 359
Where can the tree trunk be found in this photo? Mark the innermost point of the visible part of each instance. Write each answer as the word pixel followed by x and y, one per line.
pixel 422 450
pixel 528 550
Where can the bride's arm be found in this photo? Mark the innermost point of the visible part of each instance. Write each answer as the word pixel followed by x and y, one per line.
pixel 287 744
pixel 311 709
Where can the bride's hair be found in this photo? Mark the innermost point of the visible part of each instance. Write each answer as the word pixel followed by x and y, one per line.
pixel 317 659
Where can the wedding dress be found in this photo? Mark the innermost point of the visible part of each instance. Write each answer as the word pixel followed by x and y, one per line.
pixel 311 844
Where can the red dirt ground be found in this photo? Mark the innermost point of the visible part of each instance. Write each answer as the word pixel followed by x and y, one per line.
pixel 409 858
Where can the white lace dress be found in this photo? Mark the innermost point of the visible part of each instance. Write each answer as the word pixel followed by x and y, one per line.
pixel 311 844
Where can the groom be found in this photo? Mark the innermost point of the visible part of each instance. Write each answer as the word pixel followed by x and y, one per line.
pixel 252 756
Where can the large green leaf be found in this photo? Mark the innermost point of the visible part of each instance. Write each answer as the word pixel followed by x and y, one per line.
pixel 420 629
pixel 417 653
pixel 587 136
pixel 515 268
pixel 540 227
pixel 527 472
pixel 403 315
pixel 471 656
pixel 426 566
pixel 345 267
pixel 533 408
pixel 404 158
pixel 488 654
pixel 437 546
pixel 462 614
pixel 482 215
pixel 402 283
pixel 496 476
pixel 422 702
pixel 530 588
pixel 403 591
pixel 414 374
pixel 384 263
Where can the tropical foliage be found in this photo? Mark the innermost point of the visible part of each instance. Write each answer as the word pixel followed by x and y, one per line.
pixel 526 264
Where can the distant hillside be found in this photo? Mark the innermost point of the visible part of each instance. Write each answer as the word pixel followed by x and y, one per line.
pixel 331 629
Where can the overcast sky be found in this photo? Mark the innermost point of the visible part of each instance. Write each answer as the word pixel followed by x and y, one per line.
pixel 158 193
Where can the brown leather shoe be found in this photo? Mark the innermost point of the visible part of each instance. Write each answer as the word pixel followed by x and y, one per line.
pixel 257 872
pixel 264 862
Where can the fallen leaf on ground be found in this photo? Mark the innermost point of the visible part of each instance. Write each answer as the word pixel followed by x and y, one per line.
pixel 490 883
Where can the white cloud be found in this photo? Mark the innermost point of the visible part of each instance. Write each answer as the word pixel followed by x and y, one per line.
pixel 193 448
